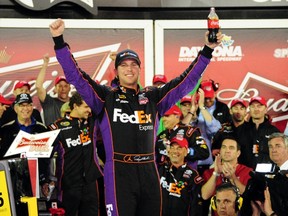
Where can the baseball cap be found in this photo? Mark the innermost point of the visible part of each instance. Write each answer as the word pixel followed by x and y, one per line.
pixel 180 141
pixel 187 98
pixel 159 78
pixel 207 87
pixel 23 98
pixel 174 110
pixel 259 99
pixel 60 78
pixel 238 100
pixel 126 54
pixel 4 101
pixel 20 84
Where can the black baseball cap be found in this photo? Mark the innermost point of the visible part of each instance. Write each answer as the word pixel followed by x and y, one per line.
pixel 23 98
pixel 126 54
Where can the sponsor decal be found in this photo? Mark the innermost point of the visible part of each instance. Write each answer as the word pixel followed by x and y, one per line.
pixel 82 139
pixel 142 99
pixel 65 124
pixel 109 208
pixel 139 117
pixel 187 174
pixel 122 96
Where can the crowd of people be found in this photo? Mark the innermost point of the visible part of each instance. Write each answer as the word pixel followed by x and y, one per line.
pixel 125 150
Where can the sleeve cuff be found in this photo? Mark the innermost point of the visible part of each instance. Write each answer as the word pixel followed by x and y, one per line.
pixel 207 52
pixel 59 42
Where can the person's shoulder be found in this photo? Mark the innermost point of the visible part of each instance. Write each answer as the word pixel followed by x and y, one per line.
pixel 8 124
pixel 40 124
pixel 220 104
pixel 242 167
pixel 208 172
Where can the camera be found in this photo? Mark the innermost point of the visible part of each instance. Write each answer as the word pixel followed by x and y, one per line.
pixel 258 182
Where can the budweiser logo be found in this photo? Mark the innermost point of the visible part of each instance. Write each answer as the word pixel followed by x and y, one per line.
pixel 25 142
pixel 35 145
pixel 274 93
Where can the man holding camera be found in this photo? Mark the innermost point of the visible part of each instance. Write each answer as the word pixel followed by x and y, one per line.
pixel 275 195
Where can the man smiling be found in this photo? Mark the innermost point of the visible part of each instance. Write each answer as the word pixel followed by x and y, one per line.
pixel 180 183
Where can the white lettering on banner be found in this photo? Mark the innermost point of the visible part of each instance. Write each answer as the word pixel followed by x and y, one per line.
pixel 281 53
pixel 139 117
pixel 109 208
pixel 221 53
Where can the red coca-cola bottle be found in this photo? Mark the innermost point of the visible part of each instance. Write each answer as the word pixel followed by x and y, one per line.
pixel 213 25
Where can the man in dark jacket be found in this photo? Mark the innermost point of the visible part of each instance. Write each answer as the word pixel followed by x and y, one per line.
pixel 77 169
pixel 259 129
pixel 23 107
pixel 197 148
pixel 128 120
pixel 10 115
pixel 237 128
pixel 181 184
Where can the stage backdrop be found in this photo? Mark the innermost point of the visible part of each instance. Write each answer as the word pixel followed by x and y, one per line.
pixel 255 64
pixel 24 42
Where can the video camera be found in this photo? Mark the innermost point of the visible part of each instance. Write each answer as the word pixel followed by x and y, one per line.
pixel 258 182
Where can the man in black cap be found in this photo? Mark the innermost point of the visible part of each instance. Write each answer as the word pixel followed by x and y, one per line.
pixel 19 88
pixel 24 121
pixel 128 120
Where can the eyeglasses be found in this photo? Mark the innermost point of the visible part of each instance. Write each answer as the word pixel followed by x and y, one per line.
pixel 25 105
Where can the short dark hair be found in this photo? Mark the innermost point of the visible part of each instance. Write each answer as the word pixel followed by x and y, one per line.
pixel 228 186
pixel 232 138
pixel 75 99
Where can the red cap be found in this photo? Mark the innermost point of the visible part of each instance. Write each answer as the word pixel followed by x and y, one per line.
pixel 60 78
pixel 259 99
pixel 4 101
pixel 208 89
pixel 238 100
pixel 159 78
pixel 20 84
pixel 187 98
pixel 180 141
pixel 174 110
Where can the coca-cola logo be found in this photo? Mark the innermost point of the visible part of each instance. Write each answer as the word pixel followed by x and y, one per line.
pixel 213 23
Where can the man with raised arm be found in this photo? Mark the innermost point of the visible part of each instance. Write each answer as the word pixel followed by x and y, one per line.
pixel 128 119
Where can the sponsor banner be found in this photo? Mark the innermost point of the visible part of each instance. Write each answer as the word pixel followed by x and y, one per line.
pixel 93 43
pixel 255 64
pixel 33 145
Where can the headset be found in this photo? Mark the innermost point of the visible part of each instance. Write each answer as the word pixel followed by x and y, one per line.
pixel 228 186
